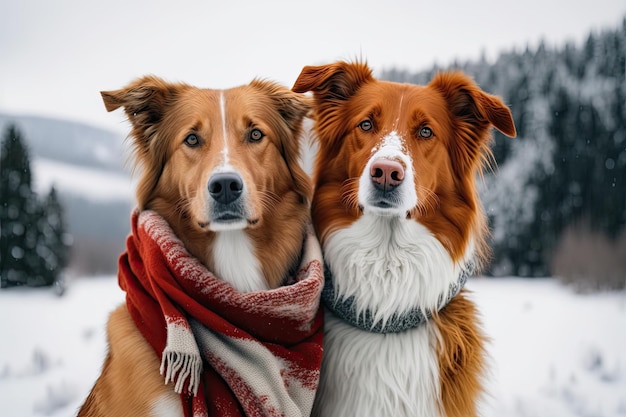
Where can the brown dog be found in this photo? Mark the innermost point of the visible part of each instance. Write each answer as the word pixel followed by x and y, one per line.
pixel 221 167
pixel 401 226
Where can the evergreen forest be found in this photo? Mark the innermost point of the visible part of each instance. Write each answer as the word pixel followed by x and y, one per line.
pixel 556 194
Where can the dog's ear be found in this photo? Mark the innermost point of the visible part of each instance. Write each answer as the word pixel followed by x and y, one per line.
pixel 468 102
pixel 292 109
pixel 145 102
pixel 337 81
pixel 473 112
pixel 332 85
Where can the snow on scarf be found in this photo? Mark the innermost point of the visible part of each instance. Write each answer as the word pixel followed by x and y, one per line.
pixel 228 353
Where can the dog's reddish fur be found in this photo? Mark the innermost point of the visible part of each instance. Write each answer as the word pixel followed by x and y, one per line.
pixel 461 357
pixel 173 182
pixel 461 116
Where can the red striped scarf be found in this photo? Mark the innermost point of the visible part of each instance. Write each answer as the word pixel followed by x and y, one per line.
pixel 227 353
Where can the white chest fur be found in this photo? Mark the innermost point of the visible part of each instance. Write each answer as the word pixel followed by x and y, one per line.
pixel 378 375
pixel 390 265
pixel 236 262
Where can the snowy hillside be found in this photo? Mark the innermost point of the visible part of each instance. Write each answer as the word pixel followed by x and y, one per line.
pixel 68 141
pixel 97 205
pixel 85 164
pixel 74 180
pixel 554 353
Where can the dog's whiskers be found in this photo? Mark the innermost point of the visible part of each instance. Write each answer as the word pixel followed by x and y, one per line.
pixel 429 202
pixel 348 196
pixel 268 199
pixel 181 206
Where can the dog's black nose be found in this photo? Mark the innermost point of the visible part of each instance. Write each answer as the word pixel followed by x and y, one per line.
pixel 225 187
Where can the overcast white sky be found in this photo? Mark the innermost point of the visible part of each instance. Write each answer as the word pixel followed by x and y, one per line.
pixel 55 56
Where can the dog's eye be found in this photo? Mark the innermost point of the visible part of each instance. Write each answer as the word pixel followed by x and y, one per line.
pixel 366 125
pixel 192 140
pixel 425 133
pixel 255 135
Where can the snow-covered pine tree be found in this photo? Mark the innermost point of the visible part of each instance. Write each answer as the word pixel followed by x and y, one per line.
pixel 54 242
pixel 18 231
pixel 33 246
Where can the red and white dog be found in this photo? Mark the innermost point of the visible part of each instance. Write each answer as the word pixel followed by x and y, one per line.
pixel 396 208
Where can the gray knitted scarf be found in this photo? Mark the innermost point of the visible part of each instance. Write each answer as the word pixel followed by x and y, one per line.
pixel 345 308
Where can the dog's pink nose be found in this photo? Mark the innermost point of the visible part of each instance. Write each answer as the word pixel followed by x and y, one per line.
pixel 386 174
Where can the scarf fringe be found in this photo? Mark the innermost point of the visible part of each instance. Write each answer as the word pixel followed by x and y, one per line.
pixel 284 324
pixel 178 367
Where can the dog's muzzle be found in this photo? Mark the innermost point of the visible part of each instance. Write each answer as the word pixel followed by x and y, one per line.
pixel 226 190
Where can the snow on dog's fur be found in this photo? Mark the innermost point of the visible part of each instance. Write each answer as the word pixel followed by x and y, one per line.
pixel 397 212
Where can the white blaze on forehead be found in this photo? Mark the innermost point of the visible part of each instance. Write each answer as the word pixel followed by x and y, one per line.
pixel 224 131
pixel 224 165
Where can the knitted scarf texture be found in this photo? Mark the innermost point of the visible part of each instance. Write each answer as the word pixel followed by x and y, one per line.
pixel 227 353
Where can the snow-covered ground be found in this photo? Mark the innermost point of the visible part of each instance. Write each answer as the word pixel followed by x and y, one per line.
pixel 554 353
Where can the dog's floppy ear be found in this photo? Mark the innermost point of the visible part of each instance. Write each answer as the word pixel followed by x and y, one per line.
pixel 337 81
pixel 145 102
pixel 474 112
pixel 332 85
pixel 467 101
pixel 292 107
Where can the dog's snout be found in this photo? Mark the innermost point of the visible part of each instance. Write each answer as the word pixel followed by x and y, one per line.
pixel 386 174
pixel 225 187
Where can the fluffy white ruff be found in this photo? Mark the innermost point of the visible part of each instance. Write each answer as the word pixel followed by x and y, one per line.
pixel 372 375
pixel 391 147
pixel 236 261
pixel 389 265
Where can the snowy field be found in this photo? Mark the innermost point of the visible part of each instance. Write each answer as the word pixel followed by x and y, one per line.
pixel 553 353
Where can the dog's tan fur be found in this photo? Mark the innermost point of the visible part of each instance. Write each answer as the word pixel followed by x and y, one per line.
pixel 130 384
pixel 173 182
